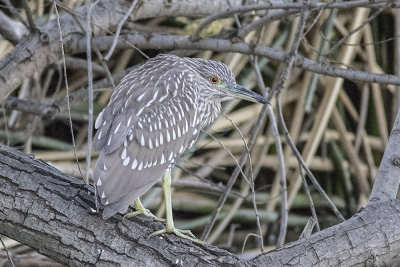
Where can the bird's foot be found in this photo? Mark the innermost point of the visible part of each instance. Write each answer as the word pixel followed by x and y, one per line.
pixel 142 210
pixel 145 212
pixel 186 234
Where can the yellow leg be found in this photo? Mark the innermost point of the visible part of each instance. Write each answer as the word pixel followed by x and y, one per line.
pixel 140 209
pixel 170 227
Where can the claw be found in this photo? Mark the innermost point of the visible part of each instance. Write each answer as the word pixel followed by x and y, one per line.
pixel 186 234
pixel 145 212
pixel 142 210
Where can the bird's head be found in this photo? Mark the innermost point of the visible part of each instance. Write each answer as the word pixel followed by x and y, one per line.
pixel 219 83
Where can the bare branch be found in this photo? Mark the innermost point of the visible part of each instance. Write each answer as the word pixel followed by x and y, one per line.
pixel 7 252
pixel 11 30
pixel 90 90
pixel 303 164
pixel 120 24
pixel 32 107
pixel 253 134
pixel 170 42
pixel 14 12
pixel 387 181
pixel 66 85
pixel 28 13
pixel 287 6
pixel 15 66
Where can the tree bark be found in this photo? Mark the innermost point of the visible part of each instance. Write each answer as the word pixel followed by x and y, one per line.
pixel 387 180
pixel 369 238
pixel 51 212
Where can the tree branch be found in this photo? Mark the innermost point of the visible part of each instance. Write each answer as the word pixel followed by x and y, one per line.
pixel 287 6
pixel 170 42
pixel 41 48
pixel 50 211
pixel 38 50
pixel 387 180
pixel 11 30
pixel 30 106
pixel 366 239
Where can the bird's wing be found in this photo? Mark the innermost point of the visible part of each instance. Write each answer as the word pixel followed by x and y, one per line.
pixel 113 122
pixel 151 133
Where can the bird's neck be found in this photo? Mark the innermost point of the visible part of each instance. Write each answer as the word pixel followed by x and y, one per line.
pixel 209 112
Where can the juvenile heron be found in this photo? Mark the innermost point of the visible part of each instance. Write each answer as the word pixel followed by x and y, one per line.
pixel 154 115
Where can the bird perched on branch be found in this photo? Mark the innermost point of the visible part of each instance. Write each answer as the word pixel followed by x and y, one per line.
pixel 154 115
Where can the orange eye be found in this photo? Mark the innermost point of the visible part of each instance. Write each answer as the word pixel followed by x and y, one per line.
pixel 214 79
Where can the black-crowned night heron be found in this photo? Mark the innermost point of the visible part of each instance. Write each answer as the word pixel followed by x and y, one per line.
pixel 154 115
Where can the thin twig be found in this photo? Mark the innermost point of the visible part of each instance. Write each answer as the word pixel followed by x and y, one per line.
pixel 278 144
pixel 120 24
pixel 279 86
pixel 67 87
pixel 5 123
pixel 105 67
pixel 363 117
pixel 6 249
pixel 28 14
pixel 253 134
pixel 245 240
pixel 308 228
pixel 230 154
pixel 14 12
pixel 282 172
pixel 341 42
pixel 282 81
pixel 261 22
pixel 302 163
pixel 307 191
pixel 251 184
pixel 75 16
pixel 361 179
pixel 397 62
pixel 90 89
pixel 266 6
pixel 81 64
pixel 326 30
pixel 245 146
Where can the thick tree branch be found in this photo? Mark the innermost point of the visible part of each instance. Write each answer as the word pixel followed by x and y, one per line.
pixel 369 238
pixel 50 211
pixel 387 180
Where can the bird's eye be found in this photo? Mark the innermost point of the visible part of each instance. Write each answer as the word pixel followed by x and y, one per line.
pixel 214 79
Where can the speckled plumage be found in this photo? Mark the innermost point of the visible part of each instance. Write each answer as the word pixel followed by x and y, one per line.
pixel 154 115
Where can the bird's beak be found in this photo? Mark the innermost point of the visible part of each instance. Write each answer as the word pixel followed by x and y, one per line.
pixel 238 91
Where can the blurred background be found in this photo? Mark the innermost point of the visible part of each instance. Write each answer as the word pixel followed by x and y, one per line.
pixel 339 126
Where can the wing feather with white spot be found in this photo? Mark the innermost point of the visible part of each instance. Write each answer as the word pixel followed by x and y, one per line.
pixel 158 133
